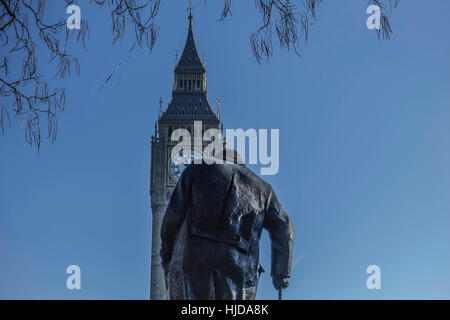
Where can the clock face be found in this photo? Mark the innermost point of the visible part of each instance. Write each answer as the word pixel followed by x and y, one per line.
pixel 178 163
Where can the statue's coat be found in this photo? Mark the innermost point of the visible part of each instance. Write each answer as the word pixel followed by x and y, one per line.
pixel 211 230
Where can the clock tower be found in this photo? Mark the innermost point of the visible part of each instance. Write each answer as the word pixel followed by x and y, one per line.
pixel 189 103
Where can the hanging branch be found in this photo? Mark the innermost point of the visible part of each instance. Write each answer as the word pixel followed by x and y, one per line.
pixel 289 21
pixel 26 93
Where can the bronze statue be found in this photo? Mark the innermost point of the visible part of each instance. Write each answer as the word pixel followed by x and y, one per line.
pixel 211 230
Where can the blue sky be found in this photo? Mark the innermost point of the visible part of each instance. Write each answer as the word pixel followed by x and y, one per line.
pixel 364 155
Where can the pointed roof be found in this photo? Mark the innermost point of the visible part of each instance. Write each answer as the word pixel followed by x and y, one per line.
pixel 186 106
pixel 189 107
pixel 190 61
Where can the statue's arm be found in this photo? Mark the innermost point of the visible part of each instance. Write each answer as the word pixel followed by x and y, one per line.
pixel 281 232
pixel 174 216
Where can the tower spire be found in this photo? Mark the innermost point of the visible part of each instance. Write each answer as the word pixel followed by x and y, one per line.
pixel 189 60
pixel 190 9
pixel 189 103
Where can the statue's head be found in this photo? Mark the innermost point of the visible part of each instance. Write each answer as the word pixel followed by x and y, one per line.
pixel 229 156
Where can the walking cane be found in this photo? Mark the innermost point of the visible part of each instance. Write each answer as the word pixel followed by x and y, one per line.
pixel 280 294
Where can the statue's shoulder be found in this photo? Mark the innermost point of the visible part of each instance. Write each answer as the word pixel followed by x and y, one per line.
pixel 252 178
pixel 208 171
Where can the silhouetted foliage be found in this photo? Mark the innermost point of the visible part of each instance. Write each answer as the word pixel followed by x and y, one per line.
pixel 25 93
pixel 289 22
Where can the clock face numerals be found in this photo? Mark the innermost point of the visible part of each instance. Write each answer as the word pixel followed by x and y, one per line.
pixel 178 163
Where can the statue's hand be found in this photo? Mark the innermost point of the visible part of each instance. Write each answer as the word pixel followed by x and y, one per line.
pixel 280 282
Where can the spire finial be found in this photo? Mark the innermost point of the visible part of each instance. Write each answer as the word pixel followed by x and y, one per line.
pixel 160 107
pixel 190 9
pixel 218 106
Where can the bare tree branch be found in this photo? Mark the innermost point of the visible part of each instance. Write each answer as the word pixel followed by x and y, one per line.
pixel 289 22
pixel 26 94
